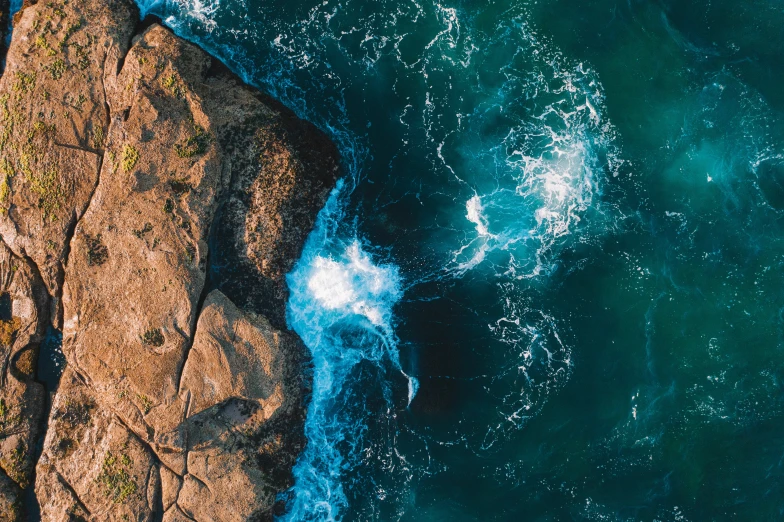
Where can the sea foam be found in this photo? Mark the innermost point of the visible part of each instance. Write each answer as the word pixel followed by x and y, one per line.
pixel 341 304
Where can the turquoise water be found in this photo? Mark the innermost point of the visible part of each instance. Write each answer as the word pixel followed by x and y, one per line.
pixel 550 285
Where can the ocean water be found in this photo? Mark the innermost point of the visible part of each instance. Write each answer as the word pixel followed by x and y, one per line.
pixel 550 285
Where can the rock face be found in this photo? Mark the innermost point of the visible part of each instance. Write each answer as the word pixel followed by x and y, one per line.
pixel 54 123
pixel 133 165
pixel 241 386
pixel 23 303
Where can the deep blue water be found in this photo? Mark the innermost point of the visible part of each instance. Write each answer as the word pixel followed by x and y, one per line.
pixel 550 285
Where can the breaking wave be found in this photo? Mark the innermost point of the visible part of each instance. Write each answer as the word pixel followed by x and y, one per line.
pixel 341 305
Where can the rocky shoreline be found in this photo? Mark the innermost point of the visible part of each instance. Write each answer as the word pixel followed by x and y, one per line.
pixel 150 207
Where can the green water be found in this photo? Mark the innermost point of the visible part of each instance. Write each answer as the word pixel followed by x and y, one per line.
pixel 550 287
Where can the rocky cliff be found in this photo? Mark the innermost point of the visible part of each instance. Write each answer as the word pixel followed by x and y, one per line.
pixel 150 205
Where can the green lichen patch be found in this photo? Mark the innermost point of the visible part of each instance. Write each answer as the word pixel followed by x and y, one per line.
pixel 8 330
pixel 14 465
pixel 98 137
pixel 6 173
pixel 116 481
pixel 145 402
pixel 25 82
pixel 6 122
pixel 70 30
pixel 57 68
pixel 5 191
pixel 82 56
pixel 39 129
pixel 130 157
pixel 6 168
pixel 43 44
pixel 193 145
pixel 46 184
pixel 9 417
pixel 174 86
pixel 43 179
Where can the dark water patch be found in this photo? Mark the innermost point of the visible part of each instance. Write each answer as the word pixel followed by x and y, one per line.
pixel 31 507
pixel 51 361
pixel 5 307
pixel 745 35
pixel 771 181
pixel 8 8
pixel 5 30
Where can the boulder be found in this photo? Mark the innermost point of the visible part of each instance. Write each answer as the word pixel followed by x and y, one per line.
pixel 93 466
pixel 242 387
pixel 23 302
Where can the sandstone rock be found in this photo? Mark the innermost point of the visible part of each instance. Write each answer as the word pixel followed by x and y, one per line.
pixel 139 256
pixel 242 385
pixel 10 500
pixel 274 199
pixel 240 356
pixel 92 465
pixel 170 487
pixel 22 400
pixel 54 120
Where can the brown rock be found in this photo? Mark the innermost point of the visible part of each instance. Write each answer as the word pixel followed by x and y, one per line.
pixel 10 500
pixel 92 465
pixel 170 487
pixel 54 119
pixel 215 417
pixel 129 316
pixel 22 400
pixel 129 165
pixel 139 255
pixel 276 192
pixel 243 390
pixel 240 356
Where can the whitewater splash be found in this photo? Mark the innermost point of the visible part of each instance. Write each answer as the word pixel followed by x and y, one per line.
pixel 341 306
pixel 540 183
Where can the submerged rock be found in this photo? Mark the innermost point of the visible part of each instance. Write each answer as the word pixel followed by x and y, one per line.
pixel 130 163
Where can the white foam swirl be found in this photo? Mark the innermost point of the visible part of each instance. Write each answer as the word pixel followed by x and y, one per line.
pixel 341 305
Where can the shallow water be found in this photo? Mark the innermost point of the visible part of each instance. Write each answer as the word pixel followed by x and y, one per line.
pixel 549 286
